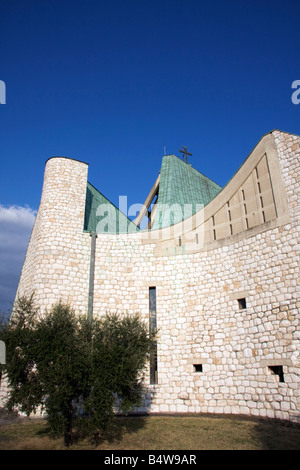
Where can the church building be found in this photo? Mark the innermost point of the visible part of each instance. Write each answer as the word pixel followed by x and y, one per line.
pixel 214 270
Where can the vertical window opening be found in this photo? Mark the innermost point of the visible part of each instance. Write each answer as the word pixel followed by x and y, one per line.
pixel 214 230
pixel 153 329
pixel 242 303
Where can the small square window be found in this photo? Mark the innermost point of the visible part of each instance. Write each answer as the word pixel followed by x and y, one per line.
pixel 242 303
pixel 277 370
pixel 198 368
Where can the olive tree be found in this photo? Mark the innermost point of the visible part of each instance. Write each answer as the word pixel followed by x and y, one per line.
pixel 78 371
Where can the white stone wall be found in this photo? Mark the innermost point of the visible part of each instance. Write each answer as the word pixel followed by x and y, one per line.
pixel 198 315
pixel 57 260
pixel 199 320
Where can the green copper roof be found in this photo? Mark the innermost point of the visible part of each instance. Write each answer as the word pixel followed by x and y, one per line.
pixel 102 216
pixel 183 191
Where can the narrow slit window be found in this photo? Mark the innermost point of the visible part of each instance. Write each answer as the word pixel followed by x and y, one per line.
pixel 152 299
pixel 259 189
pixel 153 329
pixel 242 303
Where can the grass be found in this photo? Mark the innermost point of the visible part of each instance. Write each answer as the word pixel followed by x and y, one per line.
pixel 164 433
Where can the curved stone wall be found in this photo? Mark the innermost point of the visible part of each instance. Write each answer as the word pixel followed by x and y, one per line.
pixel 57 260
pixel 227 308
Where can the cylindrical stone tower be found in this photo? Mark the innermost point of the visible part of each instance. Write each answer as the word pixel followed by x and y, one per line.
pixel 56 266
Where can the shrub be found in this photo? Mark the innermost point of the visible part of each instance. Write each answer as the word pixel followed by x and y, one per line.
pixel 79 371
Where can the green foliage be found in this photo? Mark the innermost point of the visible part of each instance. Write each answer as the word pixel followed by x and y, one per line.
pixel 120 350
pixel 61 359
pixel 18 335
pixel 79 371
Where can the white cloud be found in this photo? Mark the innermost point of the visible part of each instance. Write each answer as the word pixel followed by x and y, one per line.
pixel 16 224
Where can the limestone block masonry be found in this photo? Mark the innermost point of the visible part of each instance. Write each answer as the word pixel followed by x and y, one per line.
pixel 227 310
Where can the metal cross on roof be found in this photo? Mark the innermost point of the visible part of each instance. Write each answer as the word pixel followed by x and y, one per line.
pixel 185 153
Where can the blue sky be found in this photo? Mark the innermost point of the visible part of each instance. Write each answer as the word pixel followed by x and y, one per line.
pixel 113 83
